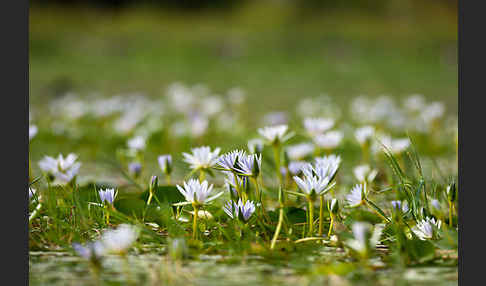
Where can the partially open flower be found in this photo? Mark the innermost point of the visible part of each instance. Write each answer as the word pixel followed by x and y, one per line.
pixel 242 210
pixel 249 165
pixel 63 170
pixel 201 158
pixel 427 228
pixel 357 195
pixel 364 134
pixel 136 143
pixel 165 163
pixel 196 192
pixel 274 134
pixel 299 151
pixel 135 168
pixel 107 196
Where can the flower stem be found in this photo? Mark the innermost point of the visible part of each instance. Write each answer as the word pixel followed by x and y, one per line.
pixel 321 214
pixel 311 217
pixel 276 155
pixel 202 175
pixel 331 225
pixel 149 198
pixel 167 178
pixel 279 226
pixel 194 223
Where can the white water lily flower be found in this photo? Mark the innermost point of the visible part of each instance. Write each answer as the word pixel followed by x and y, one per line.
pixel 357 195
pixel 137 143
pixel 328 140
pixel 196 192
pixel 299 151
pixel 201 157
pixel 312 184
pixel 107 196
pixel 92 251
pixel 249 165
pixel 316 126
pixel 364 173
pixel 327 166
pixel 165 163
pixel 255 145
pixel 427 228
pixel 364 134
pixel 228 161
pixel 274 134
pixel 32 131
pixel 119 240
pixel 62 169
pixel 242 210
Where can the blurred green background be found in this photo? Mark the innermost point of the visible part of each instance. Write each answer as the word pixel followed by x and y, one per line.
pixel 277 51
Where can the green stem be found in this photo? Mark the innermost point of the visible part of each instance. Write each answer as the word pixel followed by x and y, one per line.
pixel 330 226
pixel 167 178
pixel 321 214
pixel 202 175
pixel 311 217
pixel 150 198
pixel 279 226
pixel 194 223
pixel 276 155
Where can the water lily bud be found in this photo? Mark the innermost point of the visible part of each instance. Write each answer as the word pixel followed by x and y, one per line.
pixel 451 192
pixel 153 183
pixel 333 206
pixel 165 163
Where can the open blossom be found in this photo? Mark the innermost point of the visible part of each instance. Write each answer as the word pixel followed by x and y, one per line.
pixel 274 134
pixel 197 192
pixel 119 240
pixel 228 161
pixel 312 183
pixel 165 163
pixel 299 151
pixel 427 228
pixel 242 210
pixel 316 126
pixel 32 131
pixel 136 143
pixel 62 169
pixel 249 165
pixel 202 157
pixel 364 134
pixel 93 251
pixel 107 196
pixel 364 173
pixel 327 166
pixel 357 195
pixel 329 140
